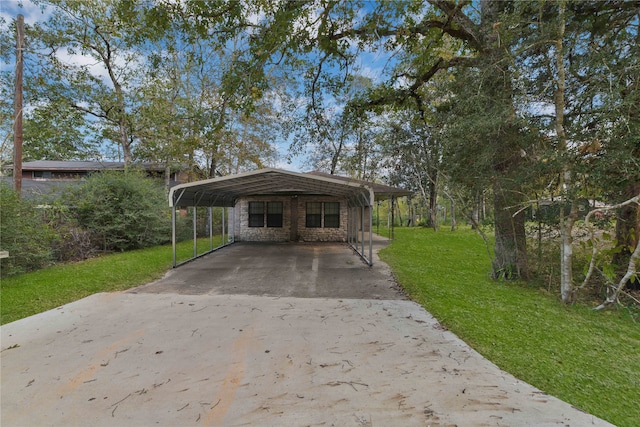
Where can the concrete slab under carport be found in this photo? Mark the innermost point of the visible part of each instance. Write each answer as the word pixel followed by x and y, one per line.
pixel 204 357
pixel 302 270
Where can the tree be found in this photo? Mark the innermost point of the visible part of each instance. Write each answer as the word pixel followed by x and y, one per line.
pixel 364 159
pixel 413 150
pixel 591 126
pixel 328 128
pixel 57 132
pixel 187 116
pixel 91 61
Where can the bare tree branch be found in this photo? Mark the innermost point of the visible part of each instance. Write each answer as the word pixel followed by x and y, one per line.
pixel 631 269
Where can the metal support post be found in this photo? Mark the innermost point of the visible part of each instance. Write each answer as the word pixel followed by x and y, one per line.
pixel 362 225
pixel 195 231
pixel 173 234
pixel 222 224
pixel 210 215
pixel 370 235
pixel 393 218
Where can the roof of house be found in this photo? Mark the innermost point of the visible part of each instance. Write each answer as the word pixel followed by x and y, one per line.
pixel 225 190
pixel 79 166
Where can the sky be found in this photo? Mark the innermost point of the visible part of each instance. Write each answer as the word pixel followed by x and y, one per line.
pixel 9 10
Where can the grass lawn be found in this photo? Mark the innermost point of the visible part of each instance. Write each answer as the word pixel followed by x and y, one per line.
pixel 589 359
pixel 31 293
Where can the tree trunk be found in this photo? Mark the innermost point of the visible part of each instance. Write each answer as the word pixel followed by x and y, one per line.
pixel 453 215
pixel 568 187
pixel 167 177
pixel 433 205
pixel 510 250
pixel 212 167
pixel 399 214
pixel 124 141
pixel 475 214
pixel 566 251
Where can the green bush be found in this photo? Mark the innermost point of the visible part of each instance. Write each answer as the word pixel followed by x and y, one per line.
pixel 123 211
pixel 23 233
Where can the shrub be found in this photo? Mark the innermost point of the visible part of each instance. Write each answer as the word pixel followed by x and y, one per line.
pixel 23 233
pixel 123 211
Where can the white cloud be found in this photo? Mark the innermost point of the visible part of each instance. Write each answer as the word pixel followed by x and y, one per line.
pixel 10 9
pixel 95 67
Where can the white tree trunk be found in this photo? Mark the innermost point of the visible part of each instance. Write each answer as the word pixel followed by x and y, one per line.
pixel 566 221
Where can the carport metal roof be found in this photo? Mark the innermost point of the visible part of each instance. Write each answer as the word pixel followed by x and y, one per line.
pixel 224 191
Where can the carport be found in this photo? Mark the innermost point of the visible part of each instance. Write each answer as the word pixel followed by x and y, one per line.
pixel 225 192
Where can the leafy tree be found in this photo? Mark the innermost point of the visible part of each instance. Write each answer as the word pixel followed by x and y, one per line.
pixel 413 154
pixel 330 130
pixel 578 73
pixel 364 159
pixel 57 132
pixel 91 61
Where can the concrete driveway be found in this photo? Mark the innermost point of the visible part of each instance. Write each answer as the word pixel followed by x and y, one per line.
pixel 259 335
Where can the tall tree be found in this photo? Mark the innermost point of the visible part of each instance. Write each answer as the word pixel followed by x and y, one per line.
pixel 188 115
pixel 578 58
pixel 57 132
pixel 413 152
pixel 92 62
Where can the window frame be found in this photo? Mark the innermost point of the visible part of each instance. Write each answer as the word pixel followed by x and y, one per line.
pixel 333 218
pixel 254 217
pixel 313 219
pixel 274 219
pixel 42 174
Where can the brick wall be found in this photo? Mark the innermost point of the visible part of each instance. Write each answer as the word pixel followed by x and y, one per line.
pixel 281 234
pixel 321 234
pixel 262 234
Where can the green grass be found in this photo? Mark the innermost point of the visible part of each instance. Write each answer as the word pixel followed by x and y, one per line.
pixel 31 293
pixel 589 359
pixel 184 250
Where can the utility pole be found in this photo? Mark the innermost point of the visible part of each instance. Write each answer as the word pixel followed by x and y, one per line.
pixel 17 123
